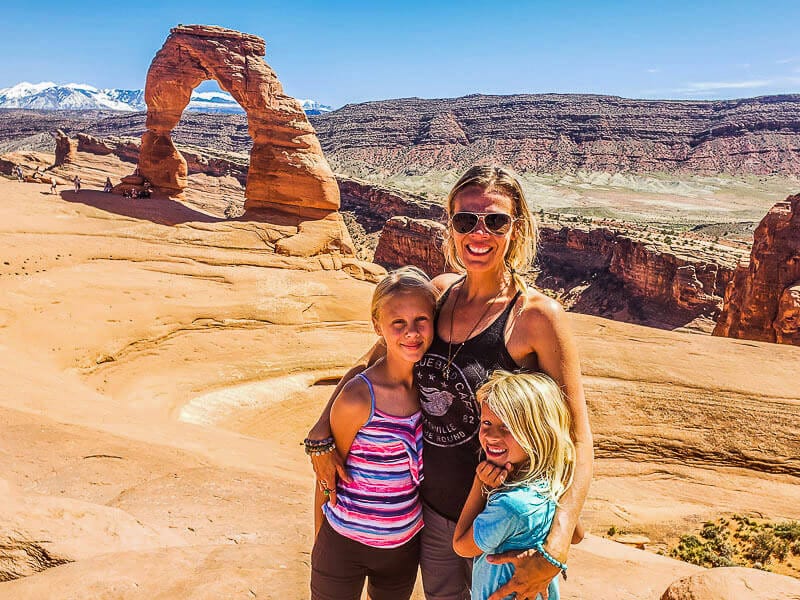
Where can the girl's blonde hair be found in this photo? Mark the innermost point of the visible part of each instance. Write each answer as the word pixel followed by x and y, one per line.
pixel 522 248
pixel 404 279
pixel 532 407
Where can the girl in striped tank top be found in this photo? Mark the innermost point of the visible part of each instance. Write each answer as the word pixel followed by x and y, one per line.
pixel 372 533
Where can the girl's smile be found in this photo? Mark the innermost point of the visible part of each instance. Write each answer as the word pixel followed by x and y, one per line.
pixel 405 322
pixel 497 442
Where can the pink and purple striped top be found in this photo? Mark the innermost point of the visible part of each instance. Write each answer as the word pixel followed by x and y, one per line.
pixel 381 507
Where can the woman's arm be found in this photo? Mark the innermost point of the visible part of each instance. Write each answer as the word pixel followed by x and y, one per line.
pixel 348 413
pixel 558 357
pixel 545 323
pixel 328 467
pixel 463 539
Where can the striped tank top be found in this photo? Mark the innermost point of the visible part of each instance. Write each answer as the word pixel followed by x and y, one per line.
pixel 380 507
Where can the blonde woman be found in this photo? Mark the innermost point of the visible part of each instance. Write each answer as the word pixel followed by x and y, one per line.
pixel 487 320
pixel 525 431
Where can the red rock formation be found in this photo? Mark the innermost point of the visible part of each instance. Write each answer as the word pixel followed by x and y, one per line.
pixel 680 287
pixel 787 324
pixel 761 303
pixel 7 167
pixel 287 168
pixel 373 205
pixel 93 145
pixel 406 241
pixel 65 149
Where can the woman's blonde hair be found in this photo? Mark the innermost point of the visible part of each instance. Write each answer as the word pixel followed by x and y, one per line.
pixel 532 407
pixel 404 279
pixel 522 248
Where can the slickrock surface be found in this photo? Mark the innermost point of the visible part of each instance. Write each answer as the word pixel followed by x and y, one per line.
pixel 159 366
pixel 559 132
pixel 287 167
pixel 734 583
pixel 763 300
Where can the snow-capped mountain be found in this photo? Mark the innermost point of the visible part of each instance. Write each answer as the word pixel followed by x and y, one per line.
pixel 312 107
pixel 73 96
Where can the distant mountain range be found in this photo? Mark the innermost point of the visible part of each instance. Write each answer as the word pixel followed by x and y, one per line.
pixel 78 96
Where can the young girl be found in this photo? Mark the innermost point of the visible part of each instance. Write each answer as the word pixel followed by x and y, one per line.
pixel 524 429
pixel 372 531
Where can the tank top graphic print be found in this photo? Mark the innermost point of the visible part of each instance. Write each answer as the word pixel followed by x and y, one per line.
pixel 450 412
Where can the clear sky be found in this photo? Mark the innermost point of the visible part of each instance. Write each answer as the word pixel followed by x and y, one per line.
pixel 341 52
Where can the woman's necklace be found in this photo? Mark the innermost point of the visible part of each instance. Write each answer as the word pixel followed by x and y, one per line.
pixel 451 356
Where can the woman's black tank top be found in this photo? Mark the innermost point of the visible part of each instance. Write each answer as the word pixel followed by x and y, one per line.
pixel 450 412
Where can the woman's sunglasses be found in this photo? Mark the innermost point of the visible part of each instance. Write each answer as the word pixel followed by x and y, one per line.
pixel 496 223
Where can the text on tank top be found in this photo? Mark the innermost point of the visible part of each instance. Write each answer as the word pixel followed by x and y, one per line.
pixel 450 412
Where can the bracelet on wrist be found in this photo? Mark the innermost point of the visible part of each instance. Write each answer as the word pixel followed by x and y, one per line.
pixel 552 560
pixel 319 447
pixel 309 443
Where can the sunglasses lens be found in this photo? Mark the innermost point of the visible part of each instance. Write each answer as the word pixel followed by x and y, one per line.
pixel 497 222
pixel 464 222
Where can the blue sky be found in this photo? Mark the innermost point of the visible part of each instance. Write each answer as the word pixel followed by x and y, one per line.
pixel 340 52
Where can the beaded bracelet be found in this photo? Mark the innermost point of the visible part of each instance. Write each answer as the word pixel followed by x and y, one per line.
pixel 319 447
pixel 309 443
pixel 321 450
pixel 552 560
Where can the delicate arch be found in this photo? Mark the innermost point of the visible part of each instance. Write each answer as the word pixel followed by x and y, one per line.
pixel 287 167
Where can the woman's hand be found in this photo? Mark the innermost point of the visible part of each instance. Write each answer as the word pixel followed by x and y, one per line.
pixel 327 468
pixel 532 575
pixel 492 476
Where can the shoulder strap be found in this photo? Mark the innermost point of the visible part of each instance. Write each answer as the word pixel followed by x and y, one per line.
pixel 446 293
pixel 371 395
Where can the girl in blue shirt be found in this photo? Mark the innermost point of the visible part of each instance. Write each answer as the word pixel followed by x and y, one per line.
pixel 524 430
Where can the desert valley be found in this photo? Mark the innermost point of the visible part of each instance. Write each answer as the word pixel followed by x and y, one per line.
pixel 163 357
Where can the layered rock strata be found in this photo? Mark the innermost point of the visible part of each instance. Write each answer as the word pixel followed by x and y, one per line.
pixel 563 133
pixel 763 300
pixel 287 168
pixel 373 205
pixel 407 241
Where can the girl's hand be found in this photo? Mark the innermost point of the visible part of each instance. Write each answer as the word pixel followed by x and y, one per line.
pixel 492 476
pixel 327 468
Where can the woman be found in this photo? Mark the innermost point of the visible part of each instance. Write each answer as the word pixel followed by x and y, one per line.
pixel 487 320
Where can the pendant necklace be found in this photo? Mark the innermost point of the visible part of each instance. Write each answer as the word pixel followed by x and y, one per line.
pixel 451 356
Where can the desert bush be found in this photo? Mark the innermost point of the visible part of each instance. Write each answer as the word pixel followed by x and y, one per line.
pixel 788 530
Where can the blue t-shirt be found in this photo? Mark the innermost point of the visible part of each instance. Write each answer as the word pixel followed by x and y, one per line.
pixel 516 518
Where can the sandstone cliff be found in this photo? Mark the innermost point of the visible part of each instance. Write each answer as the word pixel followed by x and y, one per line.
pixel 608 273
pixel 763 300
pixel 406 241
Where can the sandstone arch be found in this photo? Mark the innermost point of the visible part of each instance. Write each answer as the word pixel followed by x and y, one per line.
pixel 287 168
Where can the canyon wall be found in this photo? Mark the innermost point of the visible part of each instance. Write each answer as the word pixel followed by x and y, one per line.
pixel 763 300
pixel 566 132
